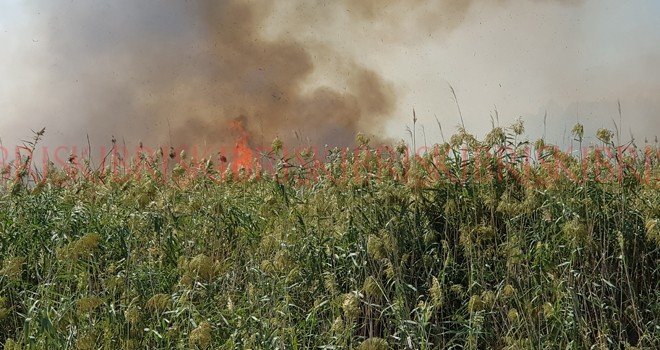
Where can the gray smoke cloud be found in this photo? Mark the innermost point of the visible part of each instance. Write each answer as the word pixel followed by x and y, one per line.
pixel 181 72
pixel 162 70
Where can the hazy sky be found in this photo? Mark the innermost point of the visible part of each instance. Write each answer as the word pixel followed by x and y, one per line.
pixel 570 59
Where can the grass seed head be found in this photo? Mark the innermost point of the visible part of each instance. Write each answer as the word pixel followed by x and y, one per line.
pixel 200 337
pixel 132 315
pixel 512 315
pixel 201 267
pixel 475 304
pixel 488 298
pixel 12 268
pixel 495 137
pixel 518 127
pixel 437 295
pixel 390 270
pixel 371 289
pixel 88 304
pixel 85 246
pixel 604 135
pixel 508 291
pixel 373 344
pixel 337 325
pixel 10 344
pixel 574 230
pixel 159 303
pixel 653 230
pixel 87 341
pixel 330 283
pixel 457 289
pixel 548 310
pixel 578 131
pixel 375 248
pixel 276 146
pixel 351 306
pixel 4 312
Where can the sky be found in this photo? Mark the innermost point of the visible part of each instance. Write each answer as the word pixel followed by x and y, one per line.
pixel 332 68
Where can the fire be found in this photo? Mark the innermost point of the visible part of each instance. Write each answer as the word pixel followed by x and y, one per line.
pixel 243 154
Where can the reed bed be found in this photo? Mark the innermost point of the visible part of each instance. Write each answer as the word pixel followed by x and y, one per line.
pixel 468 245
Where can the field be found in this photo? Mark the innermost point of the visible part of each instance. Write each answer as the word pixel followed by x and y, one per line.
pixel 472 244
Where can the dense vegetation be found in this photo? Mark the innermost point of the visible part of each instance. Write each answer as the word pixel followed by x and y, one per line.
pixel 469 245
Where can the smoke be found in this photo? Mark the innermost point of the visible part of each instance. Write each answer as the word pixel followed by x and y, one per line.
pixel 182 72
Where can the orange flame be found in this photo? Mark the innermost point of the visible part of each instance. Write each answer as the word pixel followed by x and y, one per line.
pixel 243 154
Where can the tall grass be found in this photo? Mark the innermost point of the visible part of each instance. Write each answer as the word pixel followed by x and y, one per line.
pixel 440 252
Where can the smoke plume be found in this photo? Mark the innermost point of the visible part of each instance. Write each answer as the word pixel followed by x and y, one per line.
pixel 183 72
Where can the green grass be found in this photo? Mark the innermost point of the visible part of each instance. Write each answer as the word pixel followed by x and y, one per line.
pixel 395 256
